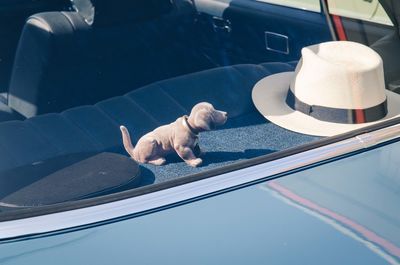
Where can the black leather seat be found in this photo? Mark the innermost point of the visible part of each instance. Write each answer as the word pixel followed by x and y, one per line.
pixel 108 48
pixel 46 62
pixel 95 128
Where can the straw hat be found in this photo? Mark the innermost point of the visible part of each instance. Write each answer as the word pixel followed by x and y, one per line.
pixel 337 87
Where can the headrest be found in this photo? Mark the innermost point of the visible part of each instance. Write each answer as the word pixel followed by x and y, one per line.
pixel 107 12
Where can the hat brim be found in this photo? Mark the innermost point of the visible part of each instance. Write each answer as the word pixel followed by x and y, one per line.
pixel 269 97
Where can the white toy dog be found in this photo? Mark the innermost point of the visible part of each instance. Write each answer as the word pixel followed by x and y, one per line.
pixel 180 135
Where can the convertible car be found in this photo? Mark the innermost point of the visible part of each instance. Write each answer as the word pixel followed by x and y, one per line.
pixel 73 71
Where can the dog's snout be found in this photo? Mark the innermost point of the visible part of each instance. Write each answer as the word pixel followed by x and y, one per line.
pixel 224 115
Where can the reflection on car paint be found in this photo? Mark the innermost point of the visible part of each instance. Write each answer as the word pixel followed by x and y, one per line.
pixel 358 196
pixel 382 247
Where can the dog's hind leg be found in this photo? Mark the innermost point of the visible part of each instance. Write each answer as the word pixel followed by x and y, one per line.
pixel 158 162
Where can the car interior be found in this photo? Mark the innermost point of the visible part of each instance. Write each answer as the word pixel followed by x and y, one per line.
pixel 74 71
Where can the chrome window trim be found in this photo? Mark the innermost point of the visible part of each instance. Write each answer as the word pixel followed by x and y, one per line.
pixel 147 202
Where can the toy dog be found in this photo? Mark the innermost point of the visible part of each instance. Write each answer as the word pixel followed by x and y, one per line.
pixel 180 136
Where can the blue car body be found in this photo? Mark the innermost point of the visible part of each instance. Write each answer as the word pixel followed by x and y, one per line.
pixel 342 212
pixel 305 201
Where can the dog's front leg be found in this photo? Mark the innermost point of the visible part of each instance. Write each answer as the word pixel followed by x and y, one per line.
pixel 186 153
pixel 197 151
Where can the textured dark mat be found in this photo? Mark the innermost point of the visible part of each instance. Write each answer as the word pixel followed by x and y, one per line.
pixel 67 178
pixel 245 137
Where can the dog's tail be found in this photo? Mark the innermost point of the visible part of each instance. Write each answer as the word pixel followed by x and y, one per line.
pixel 126 139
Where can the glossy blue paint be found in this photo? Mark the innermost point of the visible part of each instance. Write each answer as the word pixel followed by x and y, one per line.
pixel 344 212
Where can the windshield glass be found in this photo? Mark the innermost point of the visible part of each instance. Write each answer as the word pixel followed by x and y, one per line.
pixel 99 97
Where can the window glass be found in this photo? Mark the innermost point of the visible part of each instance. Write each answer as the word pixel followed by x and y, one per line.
pixel 368 10
pixel 311 5
pixel 74 74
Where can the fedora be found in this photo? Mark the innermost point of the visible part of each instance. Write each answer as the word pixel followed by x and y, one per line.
pixel 337 86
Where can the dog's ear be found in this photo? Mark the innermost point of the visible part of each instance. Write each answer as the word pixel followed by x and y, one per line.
pixel 202 119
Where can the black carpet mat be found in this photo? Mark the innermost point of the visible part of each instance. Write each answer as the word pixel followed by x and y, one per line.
pixel 241 138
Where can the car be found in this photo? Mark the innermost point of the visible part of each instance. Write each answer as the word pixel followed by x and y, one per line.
pixel 276 185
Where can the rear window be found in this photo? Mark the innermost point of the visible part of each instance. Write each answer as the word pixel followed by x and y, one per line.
pixel 99 99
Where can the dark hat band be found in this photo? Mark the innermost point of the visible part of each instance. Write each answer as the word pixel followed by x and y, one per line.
pixel 336 115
